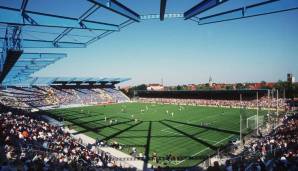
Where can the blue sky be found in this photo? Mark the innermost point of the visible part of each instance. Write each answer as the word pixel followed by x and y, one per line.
pixel 181 52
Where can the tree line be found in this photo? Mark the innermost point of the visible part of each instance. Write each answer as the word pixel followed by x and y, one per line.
pixel 287 89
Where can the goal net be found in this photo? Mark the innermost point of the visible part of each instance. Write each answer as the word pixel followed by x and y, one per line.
pixel 251 122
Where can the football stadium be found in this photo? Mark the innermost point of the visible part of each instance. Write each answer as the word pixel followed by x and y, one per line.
pixel 128 85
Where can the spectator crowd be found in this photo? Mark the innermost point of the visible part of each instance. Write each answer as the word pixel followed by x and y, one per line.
pixel 262 102
pixel 277 151
pixel 28 143
pixel 40 97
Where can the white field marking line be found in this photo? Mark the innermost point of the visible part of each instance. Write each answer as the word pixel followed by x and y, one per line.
pixel 169 128
pixel 203 150
pixel 181 125
pixel 195 137
pixel 172 132
pixel 207 140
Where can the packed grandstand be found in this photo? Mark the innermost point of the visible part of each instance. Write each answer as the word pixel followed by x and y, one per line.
pixel 43 97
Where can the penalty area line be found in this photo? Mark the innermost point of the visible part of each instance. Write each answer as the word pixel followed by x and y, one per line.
pixel 202 119
pixel 204 149
pixel 186 136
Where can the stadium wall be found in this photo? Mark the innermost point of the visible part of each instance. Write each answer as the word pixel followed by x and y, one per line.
pixel 208 95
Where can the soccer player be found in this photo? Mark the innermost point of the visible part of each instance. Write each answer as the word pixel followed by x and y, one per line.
pixel 172 114
pixel 154 157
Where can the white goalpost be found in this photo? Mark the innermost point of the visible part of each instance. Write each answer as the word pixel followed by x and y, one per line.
pixel 251 122
pixel 254 122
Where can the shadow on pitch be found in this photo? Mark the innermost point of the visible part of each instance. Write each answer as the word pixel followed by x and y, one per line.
pixel 120 132
pixel 79 115
pixel 147 147
pixel 74 122
pixel 96 129
pixel 190 136
pixel 206 127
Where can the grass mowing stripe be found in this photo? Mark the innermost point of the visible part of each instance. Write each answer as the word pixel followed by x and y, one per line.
pixel 206 148
pixel 163 141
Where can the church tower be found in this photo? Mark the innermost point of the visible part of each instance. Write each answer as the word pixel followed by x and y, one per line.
pixel 210 81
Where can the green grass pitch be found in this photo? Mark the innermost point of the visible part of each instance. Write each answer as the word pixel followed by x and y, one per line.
pixel 190 134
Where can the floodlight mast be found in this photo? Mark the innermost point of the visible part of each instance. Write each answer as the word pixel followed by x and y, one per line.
pixel 241 110
pixel 257 113
pixel 277 102
pixel 268 114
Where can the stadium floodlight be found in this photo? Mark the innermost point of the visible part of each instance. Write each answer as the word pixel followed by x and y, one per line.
pixel 257 113
pixel 277 102
pixel 240 123
pixel 157 16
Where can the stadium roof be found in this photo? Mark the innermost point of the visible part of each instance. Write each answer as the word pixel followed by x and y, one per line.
pixel 78 23
pixel 46 24
pixel 28 63
pixel 52 81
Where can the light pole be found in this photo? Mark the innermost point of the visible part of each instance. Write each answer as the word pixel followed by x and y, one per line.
pixel 240 131
pixel 277 102
pixel 257 113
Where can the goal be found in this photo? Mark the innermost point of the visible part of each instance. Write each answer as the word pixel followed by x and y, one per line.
pixel 251 122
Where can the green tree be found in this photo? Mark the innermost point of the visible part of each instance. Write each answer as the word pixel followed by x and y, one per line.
pixel 295 90
pixel 229 87
pixel 280 85
pixel 179 87
pixel 264 85
pixel 239 86
pixel 132 91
